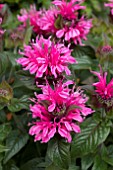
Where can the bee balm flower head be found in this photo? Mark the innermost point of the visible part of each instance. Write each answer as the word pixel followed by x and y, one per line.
pixel 58 111
pixel 44 57
pixel 104 91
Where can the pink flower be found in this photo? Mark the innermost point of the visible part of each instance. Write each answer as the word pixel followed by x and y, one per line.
pixel 46 58
pixel 68 10
pixel 33 16
pixel 76 31
pixel 71 27
pixel 104 91
pixel 58 110
pixel 48 20
pixel 110 5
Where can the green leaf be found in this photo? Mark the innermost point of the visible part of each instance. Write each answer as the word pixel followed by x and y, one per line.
pixel 28 35
pixel 84 63
pixel 59 153
pixel 1 168
pixel 4 131
pixel 23 78
pixel 80 51
pixel 32 164
pixel 15 142
pixel 19 104
pixel 12 58
pixel 3 63
pixel 2 106
pixel 107 154
pixel 58 22
pixel 3 148
pixel 92 134
pixel 85 57
pixel 99 164
pixel 10 166
pixel 73 167
pixel 87 161
pixel 53 167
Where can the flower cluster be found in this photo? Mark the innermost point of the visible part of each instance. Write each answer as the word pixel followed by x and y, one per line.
pixel 62 20
pixel 58 111
pixel 44 57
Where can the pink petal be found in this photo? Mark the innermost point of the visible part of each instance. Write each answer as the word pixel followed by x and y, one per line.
pixel 51 133
pixel 51 107
pixel 68 126
pixel 76 128
pixel 60 33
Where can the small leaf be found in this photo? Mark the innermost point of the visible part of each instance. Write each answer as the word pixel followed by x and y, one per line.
pixel 15 142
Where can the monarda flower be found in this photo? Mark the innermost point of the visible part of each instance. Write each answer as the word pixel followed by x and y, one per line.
pixel 58 111
pixel 45 58
pixel 33 16
pixel 69 25
pixel 69 10
pixel 103 90
pixel 47 21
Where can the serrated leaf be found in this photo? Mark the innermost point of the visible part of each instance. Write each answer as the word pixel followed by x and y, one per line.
pixel 15 142
pixel 59 153
pixel 92 134
pixel 99 164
